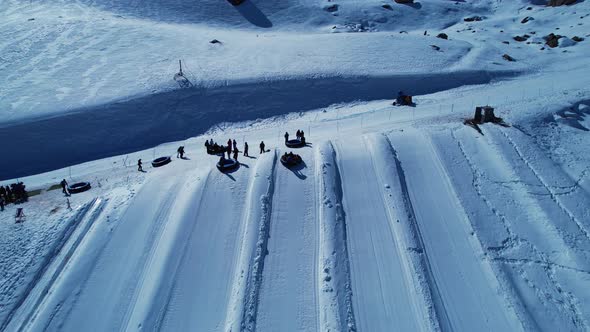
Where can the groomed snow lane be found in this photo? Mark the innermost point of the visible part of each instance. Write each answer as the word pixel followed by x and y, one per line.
pixel 200 293
pixel 288 299
pixel 467 284
pixel 382 294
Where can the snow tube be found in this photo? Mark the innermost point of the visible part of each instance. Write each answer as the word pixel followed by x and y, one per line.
pixel 78 187
pixel 228 165
pixel 219 150
pixel 294 143
pixel 291 160
pixel 159 162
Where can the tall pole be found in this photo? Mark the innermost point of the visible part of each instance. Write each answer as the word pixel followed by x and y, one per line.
pixel 180 64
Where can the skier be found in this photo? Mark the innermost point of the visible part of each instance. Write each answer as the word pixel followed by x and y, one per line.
pixel 246 149
pixel 262 147
pixel 139 168
pixel 64 187
pixel 181 152
pixel 286 137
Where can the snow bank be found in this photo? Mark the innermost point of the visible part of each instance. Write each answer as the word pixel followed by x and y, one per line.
pixel 243 303
pixel 336 312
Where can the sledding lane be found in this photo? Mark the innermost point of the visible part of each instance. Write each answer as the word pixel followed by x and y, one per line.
pixel 105 272
pixel 467 284
pixel 200 292
pixel 382 300
pixel 288 298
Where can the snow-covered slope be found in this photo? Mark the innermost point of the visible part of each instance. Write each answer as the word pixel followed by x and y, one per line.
pixel 399 218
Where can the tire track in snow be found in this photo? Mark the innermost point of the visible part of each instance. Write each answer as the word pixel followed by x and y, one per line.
pixel 60 255
pixel 512 219
pixel 243 303
pixel 335 298
pixel 583 226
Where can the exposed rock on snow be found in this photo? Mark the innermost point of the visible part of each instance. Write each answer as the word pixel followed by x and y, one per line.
pixel 552 40
pixel 473 19
pixel 331 8
pixel 508 58
pixel 555 3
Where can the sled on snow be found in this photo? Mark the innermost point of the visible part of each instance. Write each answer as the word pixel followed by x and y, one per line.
pixel 291 160
pixel 227 165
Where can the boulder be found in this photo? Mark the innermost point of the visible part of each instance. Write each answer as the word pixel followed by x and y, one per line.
pixel 552 40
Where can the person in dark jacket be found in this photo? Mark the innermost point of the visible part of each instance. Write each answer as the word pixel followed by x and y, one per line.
pixel 236 154
pixel 262 147
pixel 246 149
pixel 64 187
pixel 228 149
pixel 139 165
pixel 286 137
pixel 1 203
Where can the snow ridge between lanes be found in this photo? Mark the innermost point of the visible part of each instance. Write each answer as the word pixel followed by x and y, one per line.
pixel 243 302
pixel 407 233
pixel 336 312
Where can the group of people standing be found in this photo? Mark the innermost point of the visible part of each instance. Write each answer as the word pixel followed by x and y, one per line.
pixel 15 193
pixel 231 149
pixel 299 134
